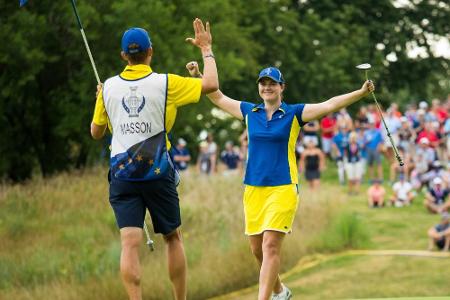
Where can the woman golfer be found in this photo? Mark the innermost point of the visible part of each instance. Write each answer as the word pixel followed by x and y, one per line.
pixel 271 184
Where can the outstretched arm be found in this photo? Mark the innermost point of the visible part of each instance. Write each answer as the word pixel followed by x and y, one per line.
pixel 231 106
pixel 316 111
pixel 203 40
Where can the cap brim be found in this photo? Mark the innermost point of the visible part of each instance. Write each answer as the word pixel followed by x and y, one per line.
pixel 270 77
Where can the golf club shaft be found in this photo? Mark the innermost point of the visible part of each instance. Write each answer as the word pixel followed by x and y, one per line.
pixel 149 240
pixel 397 155
pixel 85 41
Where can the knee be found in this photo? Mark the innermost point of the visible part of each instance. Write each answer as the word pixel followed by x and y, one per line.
pixel 131 238
pixel 173 237
pixel 270 249
pixel 257 252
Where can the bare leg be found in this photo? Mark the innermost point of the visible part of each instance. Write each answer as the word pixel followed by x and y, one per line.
pixel 316 183
pixel 130 269
pixel 357 182
pixel 256 247
pixel 370 173
pixel 432 208
pixel 176 263
pixel 430 243
pixel 380 171
pixel 392 172
pixel 447 243
pixel 268 275
pixel 446 234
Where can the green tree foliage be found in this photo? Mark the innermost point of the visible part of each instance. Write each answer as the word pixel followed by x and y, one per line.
pixel 48 87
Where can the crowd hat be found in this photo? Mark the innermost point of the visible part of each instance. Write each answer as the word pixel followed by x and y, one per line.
pixel 437 180
pixel 423 105
pixel 272 73
pixel 135 40
pixel 424 140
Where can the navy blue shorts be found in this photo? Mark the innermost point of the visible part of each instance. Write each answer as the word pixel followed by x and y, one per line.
pixel 131 199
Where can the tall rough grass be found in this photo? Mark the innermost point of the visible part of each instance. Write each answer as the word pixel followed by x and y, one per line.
pixel 59 238
pixel 346 231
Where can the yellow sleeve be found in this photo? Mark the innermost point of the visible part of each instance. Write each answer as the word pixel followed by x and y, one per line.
pixel 100 117
pixel 183 90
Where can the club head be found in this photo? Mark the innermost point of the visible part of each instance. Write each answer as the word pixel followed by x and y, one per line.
pixel 364 66
pixel 150 244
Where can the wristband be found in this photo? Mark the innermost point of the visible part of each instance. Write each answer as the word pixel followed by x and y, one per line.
pixel 209 55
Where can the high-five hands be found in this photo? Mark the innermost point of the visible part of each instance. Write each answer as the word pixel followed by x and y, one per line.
pixel 193 69
pixel 203 38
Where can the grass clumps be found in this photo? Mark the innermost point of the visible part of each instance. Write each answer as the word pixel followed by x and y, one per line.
pixel 345 231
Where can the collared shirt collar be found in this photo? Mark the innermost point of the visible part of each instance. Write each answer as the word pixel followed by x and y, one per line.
pixel 282 108
pixel 136 71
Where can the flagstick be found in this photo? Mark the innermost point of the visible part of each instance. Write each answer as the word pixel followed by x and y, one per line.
pixel 85 41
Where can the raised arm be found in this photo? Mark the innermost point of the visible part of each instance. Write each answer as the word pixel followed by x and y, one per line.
pixel 203 40
pixel 231 106
pixel 98 131
pixel 316 111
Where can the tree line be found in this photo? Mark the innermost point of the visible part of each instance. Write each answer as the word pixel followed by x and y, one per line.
pixel 48 87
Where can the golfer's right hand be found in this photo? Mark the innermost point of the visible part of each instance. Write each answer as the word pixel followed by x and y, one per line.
pixel 99 89
pixel 203 38
pixel 368 87
pixel 193 69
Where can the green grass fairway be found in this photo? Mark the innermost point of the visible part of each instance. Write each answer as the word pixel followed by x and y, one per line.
pixel 60 241
pixel 387 276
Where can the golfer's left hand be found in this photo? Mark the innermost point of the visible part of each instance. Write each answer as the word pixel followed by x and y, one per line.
pixel 193 69
pixel 368 87
pixel 99 89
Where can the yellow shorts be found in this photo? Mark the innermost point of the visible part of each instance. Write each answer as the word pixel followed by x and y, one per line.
pixel 270 208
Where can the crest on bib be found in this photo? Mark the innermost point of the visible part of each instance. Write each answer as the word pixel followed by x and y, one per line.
pixel 133 102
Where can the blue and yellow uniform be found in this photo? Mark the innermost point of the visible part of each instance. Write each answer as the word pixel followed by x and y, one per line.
pixel 271 178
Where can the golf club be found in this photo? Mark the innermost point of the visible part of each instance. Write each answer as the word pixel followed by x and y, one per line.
pixel 85 41
pixel 150 242
pixel 366 67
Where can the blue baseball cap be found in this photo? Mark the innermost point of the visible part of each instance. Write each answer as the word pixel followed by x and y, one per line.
pixel 135 40
pixel 272 73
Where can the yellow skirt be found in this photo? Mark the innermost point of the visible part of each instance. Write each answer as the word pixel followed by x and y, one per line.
pixel 270 208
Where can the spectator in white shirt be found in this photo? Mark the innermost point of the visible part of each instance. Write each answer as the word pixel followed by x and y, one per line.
pixel 403 192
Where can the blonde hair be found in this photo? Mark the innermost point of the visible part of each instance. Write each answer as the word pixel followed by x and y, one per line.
pixel 353 136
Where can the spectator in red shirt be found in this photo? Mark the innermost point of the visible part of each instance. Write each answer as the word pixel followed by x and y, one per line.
pixel 374 116
pixel 439 112
pixel 430 134
pixel 328 128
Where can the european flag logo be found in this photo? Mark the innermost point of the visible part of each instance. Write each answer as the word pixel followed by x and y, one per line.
pixel 22 2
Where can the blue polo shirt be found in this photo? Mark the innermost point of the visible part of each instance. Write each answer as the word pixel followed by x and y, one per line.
pixel 373 138
pixel 271 144
pixel 341 140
